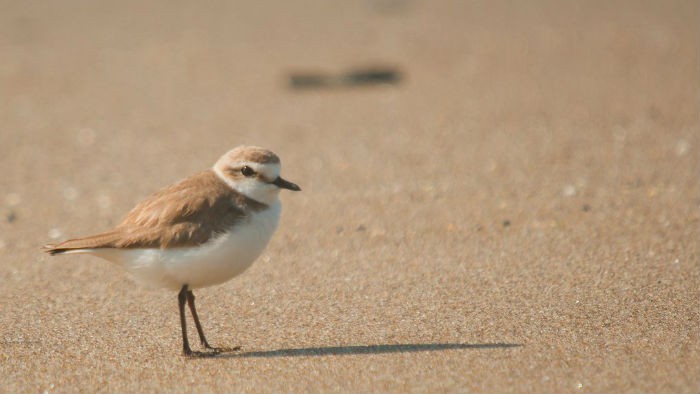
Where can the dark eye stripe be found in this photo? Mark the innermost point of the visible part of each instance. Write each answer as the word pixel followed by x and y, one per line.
pixel 237 172
pixel 247 171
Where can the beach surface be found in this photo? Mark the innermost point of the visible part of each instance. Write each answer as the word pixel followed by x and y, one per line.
pixel 515 210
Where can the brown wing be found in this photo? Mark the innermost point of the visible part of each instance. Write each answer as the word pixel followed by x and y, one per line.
pixel 188 213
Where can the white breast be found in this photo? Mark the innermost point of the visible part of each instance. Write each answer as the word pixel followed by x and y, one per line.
pixel 215 262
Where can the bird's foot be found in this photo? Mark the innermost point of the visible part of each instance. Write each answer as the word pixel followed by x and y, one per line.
pixel 217 350
pixel 209 351
pixel 197 354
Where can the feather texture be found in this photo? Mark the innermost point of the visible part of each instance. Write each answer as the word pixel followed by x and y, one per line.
pixel 187 213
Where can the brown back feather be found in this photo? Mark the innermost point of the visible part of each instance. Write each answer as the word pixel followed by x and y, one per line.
pixel 188 213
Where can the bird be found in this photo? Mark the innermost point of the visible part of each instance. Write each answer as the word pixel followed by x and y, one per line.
pixel 199 232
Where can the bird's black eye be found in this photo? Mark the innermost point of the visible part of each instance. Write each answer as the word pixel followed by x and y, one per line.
pixel 247 171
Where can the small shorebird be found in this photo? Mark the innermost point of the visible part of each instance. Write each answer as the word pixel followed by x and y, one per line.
pixel 199 232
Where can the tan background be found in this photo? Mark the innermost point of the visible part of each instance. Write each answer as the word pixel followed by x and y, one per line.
pixel 395 269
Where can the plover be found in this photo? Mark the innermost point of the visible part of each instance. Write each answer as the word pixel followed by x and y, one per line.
pixel 198 232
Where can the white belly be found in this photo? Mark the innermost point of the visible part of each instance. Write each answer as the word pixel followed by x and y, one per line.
pixel 209 264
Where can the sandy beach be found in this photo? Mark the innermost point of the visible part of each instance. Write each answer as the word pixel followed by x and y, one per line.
pixel 516 211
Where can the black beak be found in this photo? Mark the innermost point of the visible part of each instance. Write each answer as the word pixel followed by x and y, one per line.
pixel 284 184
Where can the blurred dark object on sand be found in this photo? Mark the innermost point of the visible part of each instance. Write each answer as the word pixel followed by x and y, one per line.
pixel 356 77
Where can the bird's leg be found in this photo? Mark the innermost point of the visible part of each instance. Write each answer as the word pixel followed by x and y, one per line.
pixel 182 298
pixel 200 331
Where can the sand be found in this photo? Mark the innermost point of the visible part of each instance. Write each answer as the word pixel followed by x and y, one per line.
pixel 518 213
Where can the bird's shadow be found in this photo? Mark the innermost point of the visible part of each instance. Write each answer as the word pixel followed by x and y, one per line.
pixel 364 349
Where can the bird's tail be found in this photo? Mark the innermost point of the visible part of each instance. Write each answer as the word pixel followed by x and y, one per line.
pixel 81 245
